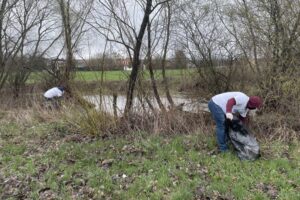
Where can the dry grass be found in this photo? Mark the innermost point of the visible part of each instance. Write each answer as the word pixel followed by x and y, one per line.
pixel 24 110
pixel 96 122
pixel 171 122
pixel 82 117
pixel 275 126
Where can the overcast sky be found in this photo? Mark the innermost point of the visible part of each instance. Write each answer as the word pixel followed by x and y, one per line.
pixel 93 43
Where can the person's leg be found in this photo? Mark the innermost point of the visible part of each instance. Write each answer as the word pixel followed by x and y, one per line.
pixel 219 118
pixel 47 104
pixel 56 103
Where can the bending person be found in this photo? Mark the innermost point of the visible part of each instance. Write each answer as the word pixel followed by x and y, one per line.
pixel 223 106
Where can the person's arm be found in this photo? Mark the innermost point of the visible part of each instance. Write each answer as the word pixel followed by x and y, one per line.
pixel 59 93
pixel 230 103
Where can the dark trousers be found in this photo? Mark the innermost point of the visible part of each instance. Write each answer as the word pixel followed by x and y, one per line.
pixel 221 129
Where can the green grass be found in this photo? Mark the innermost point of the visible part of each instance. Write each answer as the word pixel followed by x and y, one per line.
pixel 42 158
pixel 113 75
pixel 123 75
pixel 107 75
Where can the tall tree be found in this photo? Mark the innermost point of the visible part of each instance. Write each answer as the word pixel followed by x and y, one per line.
pixel 126 31
pixel 203 38
pixel 150 67
pixel 29 18
pixel 165 51
pixel 267 34
pixel 3 74
pixel 23 39
pixel 73 14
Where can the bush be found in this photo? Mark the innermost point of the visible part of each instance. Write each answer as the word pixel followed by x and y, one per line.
pixel 88 120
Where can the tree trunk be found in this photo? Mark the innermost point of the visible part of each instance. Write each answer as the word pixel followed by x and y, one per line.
pixel 136 59
pixel 165 80
pixel 69 65
pixel 3 74
pixel 153 82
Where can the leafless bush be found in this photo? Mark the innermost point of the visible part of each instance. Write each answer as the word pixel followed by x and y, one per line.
pixel 170 122
pixel 283 95
pixel 275 126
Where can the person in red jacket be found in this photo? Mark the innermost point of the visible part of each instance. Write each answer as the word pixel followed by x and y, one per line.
pixel 223 106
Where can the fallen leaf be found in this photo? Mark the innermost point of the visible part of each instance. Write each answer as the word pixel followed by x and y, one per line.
pixel 107 162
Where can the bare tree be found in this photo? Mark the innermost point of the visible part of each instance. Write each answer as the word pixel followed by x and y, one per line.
pixel 267 34
pixel 73 14
pixel 165 51
pixel 66 21
pixel 150 67
pixel 19 45
pixel 6 49
pixel 206 44
pixel 123 30
pixel 29 24
pixel 136 57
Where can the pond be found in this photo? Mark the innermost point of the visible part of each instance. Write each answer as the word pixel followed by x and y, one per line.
pixel 185 103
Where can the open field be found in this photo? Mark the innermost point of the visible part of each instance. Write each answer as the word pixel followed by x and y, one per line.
pixel 115 75
pixel 48 160
pixel 123 75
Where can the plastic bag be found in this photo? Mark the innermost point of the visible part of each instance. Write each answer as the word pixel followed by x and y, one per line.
pixel 243 141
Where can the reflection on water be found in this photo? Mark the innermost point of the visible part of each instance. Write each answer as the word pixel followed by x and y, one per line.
pixel 188 104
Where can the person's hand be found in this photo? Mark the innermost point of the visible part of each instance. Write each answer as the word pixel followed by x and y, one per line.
pixel 229 116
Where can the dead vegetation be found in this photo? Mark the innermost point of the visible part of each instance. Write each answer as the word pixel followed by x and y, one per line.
pixel 81 117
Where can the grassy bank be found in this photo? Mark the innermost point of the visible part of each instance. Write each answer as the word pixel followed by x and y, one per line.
pixel 114 75
pixel 47 159
pixel 123 75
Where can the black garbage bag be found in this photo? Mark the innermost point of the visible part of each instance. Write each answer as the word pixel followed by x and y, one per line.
pixel 243 141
